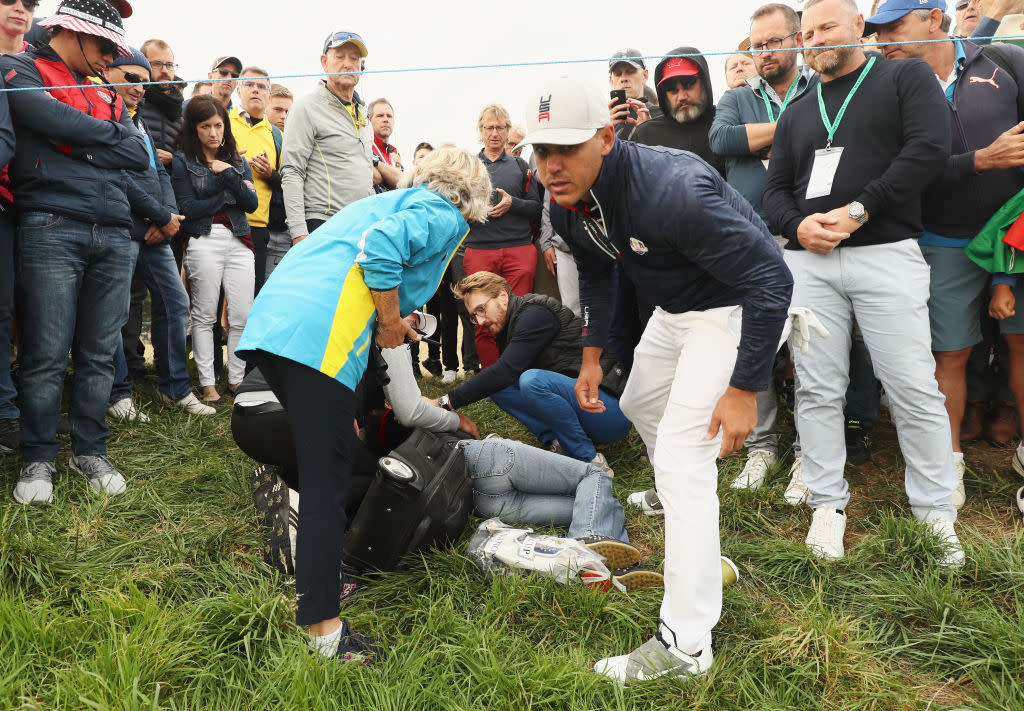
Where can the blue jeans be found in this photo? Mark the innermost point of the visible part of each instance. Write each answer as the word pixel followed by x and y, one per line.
pixel 158 270
pixel 545 402
pixel 8 410
pixel 122 387
pixel 525 485
pixel 74 280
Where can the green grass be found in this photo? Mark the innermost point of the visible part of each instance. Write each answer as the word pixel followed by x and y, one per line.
pixel 159 599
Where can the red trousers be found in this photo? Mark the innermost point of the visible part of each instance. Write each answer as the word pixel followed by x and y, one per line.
pixel 517 265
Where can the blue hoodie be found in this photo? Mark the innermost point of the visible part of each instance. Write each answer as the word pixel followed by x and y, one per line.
pixel 316 308
pixel 688 242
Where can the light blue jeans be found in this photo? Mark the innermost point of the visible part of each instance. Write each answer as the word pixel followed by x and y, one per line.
pixel 525 485
pixel 886 288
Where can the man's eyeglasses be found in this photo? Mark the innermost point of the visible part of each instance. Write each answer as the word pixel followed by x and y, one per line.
pixel 227 73
pixel 492 129
pixel 960 6
pixel 169 66
pixel 261 86
pixel 481 310
pixel 773 44
pixel 29 5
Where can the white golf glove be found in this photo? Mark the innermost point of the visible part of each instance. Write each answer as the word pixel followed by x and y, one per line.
pixel 801 321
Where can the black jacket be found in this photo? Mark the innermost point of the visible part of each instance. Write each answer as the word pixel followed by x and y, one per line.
pixel 162 112
pixel 687 241
pixel 691 136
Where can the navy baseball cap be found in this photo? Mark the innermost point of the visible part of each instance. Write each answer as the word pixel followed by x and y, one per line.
pixel 895 9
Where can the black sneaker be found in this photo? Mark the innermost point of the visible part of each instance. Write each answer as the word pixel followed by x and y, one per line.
pixel 433 367
pixel 10 434
pixel 349 582
pixel 858 443
pixel 615 553
pixel 354 647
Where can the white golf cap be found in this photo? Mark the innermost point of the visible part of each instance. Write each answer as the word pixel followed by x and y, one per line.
pixel 565 112
pixel 428 323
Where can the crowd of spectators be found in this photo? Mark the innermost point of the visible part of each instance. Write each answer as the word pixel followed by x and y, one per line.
pixel 893 228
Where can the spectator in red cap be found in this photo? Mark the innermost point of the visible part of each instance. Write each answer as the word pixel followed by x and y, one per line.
pixel 686 100
pixel 69 172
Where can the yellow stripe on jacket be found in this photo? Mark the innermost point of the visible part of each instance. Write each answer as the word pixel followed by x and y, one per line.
pixel 352 322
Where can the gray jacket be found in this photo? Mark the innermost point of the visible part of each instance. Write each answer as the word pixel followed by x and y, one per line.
pixel 326 158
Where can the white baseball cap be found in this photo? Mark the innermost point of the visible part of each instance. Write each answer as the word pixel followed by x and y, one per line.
pixel 565 112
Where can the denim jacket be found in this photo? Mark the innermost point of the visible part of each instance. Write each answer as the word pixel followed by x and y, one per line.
pixel 201 194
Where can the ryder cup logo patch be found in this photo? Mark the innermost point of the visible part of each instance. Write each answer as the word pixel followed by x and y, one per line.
pixel 544 110
pixel 637 246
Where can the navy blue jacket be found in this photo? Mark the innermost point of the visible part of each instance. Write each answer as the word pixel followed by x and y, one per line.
pixel 688 242
pixel 149 190
pixel 986 102
pixel 201 194
pixel 87 180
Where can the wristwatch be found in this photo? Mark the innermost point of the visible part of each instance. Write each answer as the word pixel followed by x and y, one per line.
pixel 444 403
pixel 858 212
pixel 376 161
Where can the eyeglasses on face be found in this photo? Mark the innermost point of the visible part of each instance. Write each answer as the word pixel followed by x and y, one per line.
pixel 29 5
pixel 492 129
pixel 481 311
pixel 773 44
pixel 227 72
pixel 169 66
pixel 258 85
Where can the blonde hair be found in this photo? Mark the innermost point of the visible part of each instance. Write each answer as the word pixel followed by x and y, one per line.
pixel 488 282
pixel 456 175
pixel 500 112
pixel 279 91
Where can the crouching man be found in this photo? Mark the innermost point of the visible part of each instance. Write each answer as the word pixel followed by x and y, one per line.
pixel 697 251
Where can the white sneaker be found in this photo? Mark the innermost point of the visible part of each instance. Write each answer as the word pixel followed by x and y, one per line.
pixel 954 553
pixel 959 494
pixel 825 536
pixel 1020 500
pixel 449 376
pixel 647 501
pixel 35 483
pixel 759 463
pixel 601 463
pixel 191 404
pixel 103 476
pixel 126 411
pixel 653 659
pixel 796 491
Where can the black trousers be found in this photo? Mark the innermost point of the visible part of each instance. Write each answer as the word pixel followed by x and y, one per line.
pixel 263 433
pixel 442 305
pixel 457 270
pixel 260 240
pixel 320 411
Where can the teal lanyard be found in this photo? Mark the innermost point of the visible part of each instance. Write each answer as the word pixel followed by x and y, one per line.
pixel 785 102
pixel 833 127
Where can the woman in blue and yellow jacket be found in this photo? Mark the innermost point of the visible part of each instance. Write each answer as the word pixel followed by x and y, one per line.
pixel 310 331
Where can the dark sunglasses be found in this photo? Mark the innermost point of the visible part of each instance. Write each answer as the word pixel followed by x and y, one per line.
pixel 684 82
pixel 227 73
pixel 134 78
pixel 29 5
pixel 106 47
pixel 960 6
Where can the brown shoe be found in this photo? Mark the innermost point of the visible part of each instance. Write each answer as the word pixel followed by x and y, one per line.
pixel 973 425
pixel 1005 425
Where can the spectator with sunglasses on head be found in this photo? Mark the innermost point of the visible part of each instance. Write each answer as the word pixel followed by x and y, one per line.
pixel 74 148
pixel 15 21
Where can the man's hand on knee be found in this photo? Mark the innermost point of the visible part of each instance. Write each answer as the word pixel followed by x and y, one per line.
pixel 735 415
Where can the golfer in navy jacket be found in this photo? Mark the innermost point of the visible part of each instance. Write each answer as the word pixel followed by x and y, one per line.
pixel 697 251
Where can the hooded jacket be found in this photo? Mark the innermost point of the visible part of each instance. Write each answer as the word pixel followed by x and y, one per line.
pixel 687 241
pixel 690 136
pixel 73 146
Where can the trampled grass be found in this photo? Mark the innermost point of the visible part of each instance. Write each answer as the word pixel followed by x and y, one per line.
pixel 159 599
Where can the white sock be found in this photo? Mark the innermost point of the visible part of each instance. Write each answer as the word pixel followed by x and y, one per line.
pixel 326 645
pixel 958 456
pixel 1020 450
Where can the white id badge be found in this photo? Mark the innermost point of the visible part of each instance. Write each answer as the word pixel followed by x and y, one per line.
pixel 823 172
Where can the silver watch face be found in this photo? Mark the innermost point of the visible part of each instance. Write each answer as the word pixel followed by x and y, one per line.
pixel 856 210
